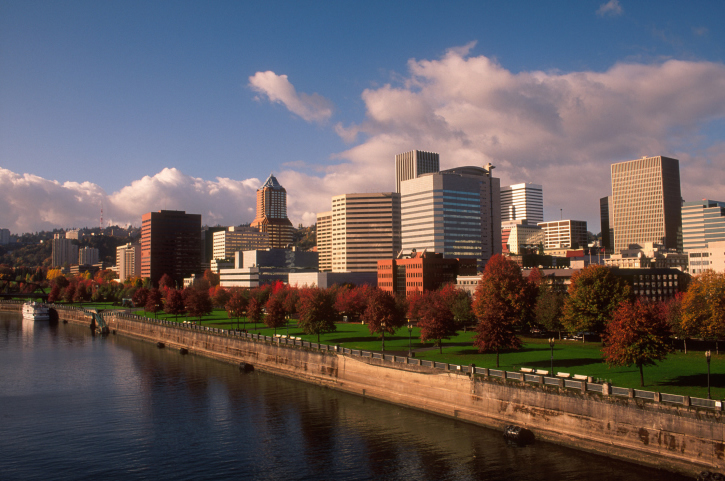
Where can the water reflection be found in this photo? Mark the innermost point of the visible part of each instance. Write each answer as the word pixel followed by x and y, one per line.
pixel 116 408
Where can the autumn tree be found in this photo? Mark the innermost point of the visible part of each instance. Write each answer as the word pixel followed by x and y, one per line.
pixel 703 305
pixel 594 294
pixel 416 301
pixel 174 303
pixel 219 295
pixel 503 302
pixel 69 293
pixel 54 295
pixel 254 310
pixel 153 301
pixel 275 313
pixel 637 334
pixel 383 314
pixel 81 293
pixel 236 306
pixel 352 301
pixel 166 282
pixel 317 311
pixel 140 297
pixel 198 302
pixel 211 277
pixel 437 321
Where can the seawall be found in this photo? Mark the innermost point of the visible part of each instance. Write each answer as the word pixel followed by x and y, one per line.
pixel 685 439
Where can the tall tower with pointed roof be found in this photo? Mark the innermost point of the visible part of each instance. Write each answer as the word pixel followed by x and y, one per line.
pixel 272 213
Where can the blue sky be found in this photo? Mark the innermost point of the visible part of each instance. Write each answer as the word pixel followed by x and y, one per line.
pixel 190 105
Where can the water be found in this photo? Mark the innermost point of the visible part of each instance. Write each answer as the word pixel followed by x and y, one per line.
pixel 75 406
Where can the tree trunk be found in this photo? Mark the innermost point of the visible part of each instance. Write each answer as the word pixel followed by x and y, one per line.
pixel 641 375
pixel 496 357
pixel 440 345
pixel 318 338
pixel 685 342
pixel 383 343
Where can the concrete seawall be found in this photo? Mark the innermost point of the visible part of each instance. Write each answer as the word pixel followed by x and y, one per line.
pixel 678 438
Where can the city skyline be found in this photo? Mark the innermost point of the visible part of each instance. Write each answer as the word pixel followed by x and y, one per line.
pixel 191 107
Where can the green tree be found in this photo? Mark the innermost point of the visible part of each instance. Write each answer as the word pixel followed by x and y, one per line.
pixel 317 311
pixel 549 308
pixel 637 334
pixel 594 294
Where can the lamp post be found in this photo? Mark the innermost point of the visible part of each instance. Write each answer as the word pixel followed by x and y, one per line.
pixel 551 343
pixel 382 324
pixel 410 338
pixel 707 357
pixel 286 323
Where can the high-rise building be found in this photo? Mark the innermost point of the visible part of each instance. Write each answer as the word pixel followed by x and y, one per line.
pixel 567 233
pixel 454 212
pixel 64 251
pixel 241 238
pixel 703 222
pixel 128 261
pixel 410 165
pixel 647 202
pixel 324 240
pixel 520 238
pixel 207 243
pixel 522 202
pixel 272 213
pixel 606 216
pixel 709 258
pixel 4 236
pixel 87 256
pixel 365 228
pixel 170 244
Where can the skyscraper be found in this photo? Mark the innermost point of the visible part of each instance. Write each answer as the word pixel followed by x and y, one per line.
pixel 410 165
pixel 365 228
pixel 64 251
pixel 703 222
pixel 454 212
pixel 272 213
pixel 324 240
pixel 128 261
pixel 522 202
pixel 647 202
pixel 564 234
pixel 606 217
pixel 170 244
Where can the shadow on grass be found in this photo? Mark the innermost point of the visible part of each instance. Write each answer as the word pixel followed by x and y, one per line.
pixel 563 363
pixel 694 380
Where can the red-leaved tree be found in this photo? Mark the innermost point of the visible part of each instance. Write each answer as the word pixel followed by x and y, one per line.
pixel 383 314
pixel 352 301
pixel 317 311
pixel 437 321
pixel 275 313
pixel 153 301
pixel 254 310
pixel 174 303
pixel 237 304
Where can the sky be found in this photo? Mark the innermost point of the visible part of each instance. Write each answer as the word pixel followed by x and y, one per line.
pixel 191 105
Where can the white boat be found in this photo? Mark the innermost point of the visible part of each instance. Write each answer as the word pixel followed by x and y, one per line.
pixel 35 311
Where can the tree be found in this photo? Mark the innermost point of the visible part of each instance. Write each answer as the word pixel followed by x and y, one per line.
pixel 275 313
pixel 549 307
pixel 236 306
pixel 594 294
pixel 69 293
pixel 383 314
pixel 153 301
pixel 637 334
pixel 317 311
pixel 351 301
pixel 174 303
pixel 219 295
pixel 703 305
pixel 211 278
pixel 462 310
pixel 503 302
pixel 54 295
pixel 140 297
pixel 166 282
pixel 254 310
pixel 198 303
pixel 81 293
pixel 437 320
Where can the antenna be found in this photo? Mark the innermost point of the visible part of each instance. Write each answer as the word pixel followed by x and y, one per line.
pixel 101 217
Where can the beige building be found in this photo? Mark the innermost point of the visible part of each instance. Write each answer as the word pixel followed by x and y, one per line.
pixel 711 257
pixel 272 214
pixel 522 202
pixel 650 255
pixel 324 240
pixel 519 237
pixel 647 202
pixel 365 228
pixel 567 233
pixel 242 238
pixel 128 261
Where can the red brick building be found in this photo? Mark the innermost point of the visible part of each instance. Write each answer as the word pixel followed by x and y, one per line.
pixel 422 271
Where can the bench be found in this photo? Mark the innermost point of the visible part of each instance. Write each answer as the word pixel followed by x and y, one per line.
pixel 527 370
pixel 541 372
pixel 564 375
pixel 579 377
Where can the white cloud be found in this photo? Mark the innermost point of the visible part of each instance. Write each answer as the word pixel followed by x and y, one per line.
pixel 312 108
pixel 612 8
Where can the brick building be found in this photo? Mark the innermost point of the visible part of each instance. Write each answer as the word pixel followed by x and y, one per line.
pixel 421 271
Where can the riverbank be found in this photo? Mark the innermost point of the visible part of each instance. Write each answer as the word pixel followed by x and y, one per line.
pixel 682 438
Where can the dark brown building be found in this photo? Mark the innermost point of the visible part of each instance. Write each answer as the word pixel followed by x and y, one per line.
pixel 170 244
pixel 422 271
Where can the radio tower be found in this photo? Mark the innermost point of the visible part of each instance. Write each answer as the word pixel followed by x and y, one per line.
pixel 101 217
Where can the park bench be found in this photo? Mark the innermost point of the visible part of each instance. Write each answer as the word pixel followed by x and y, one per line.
pixel 527 370
pixel 580 377
pixel 565 375
pixel 541 372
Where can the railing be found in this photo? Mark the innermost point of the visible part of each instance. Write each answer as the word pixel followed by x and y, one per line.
pixel 398 361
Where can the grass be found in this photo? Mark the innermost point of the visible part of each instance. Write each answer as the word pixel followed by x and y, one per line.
pixel 680 373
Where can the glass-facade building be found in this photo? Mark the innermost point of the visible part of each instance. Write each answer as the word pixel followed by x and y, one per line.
pixel 703 222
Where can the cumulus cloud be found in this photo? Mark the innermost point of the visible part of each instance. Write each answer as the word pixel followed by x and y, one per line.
pixel 612 8
pixel 278 89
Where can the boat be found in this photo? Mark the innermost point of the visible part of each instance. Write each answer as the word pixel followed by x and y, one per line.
pixel 35 311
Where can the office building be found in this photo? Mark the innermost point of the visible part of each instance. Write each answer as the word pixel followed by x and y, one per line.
pixel 207 242
pixel 650 255
pixel 421 271
pixel 170 244
pixel 259 267
pixel 454 212
pixel 647 202
pixel 4 236
pixel 64 251
pixel 128 261
pixel 564 234
pixel 522 202
pixel 365 228
pixel 233 239
pixel 410 165
pixel 703 222
pixel 87 256
pixel 606 216
pixel 324 240
pixel 272 214
pixel 707 258
pixel 521 238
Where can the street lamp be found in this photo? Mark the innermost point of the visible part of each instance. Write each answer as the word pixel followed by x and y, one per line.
pixel 551 343
pixel 707 356
pixel 410 338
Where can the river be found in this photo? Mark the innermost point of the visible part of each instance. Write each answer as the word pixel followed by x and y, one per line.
pixel 74 406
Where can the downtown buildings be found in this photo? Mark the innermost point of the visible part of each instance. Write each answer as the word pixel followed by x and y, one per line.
pixel 170 244
pixel 272 214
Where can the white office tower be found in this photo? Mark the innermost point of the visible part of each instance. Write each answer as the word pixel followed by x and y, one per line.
pixel 454 212
pixel 324 240
pixel 410 165
pixel 523 203
pixel 128 261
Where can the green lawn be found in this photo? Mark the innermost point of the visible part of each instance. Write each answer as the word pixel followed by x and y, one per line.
pixel 679 374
